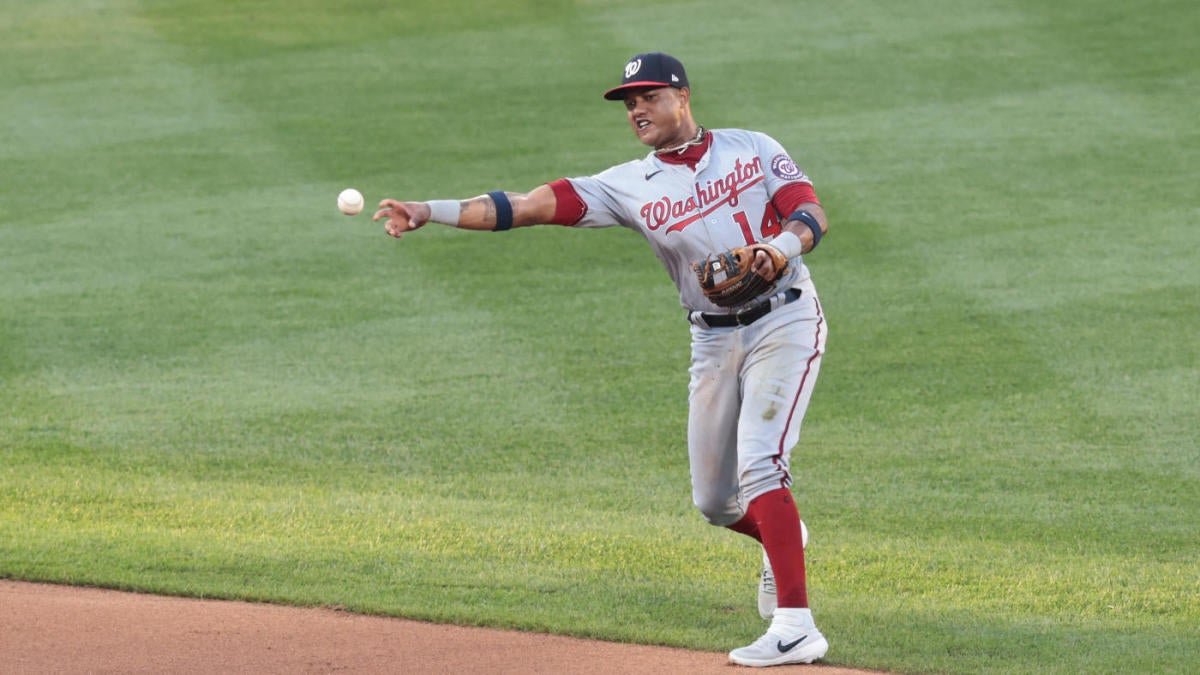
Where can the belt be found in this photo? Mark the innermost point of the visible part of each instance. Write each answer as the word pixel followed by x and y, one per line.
pixel 747 316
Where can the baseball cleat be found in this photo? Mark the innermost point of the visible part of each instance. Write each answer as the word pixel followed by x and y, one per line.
pixel 778 647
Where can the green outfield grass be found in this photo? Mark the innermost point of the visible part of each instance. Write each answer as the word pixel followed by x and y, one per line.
pixel 213 384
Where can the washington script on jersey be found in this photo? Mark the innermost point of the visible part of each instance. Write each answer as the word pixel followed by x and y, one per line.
pixel 706 200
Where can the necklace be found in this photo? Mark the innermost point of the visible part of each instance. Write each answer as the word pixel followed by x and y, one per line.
pixel 695 140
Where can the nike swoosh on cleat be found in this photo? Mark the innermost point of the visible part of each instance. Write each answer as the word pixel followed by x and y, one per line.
pixel 652 174
pixel 783 649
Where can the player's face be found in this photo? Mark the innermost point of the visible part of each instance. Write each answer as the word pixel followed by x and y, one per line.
pixel 659 117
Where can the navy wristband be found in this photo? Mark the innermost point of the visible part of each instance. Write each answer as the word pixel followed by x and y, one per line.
pixel 504 211
pixel 813 224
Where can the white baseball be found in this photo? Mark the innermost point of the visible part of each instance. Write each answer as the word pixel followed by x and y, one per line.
pixel 350 202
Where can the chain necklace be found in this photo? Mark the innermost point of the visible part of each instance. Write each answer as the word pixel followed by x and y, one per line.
pixel 695 140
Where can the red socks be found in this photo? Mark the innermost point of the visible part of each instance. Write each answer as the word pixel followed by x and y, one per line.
pixel 772 519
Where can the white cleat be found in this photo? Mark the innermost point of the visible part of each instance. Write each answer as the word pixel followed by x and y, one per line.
pixel 779 648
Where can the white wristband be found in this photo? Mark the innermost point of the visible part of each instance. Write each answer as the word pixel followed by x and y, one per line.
pixel 788 244
pixel 444 211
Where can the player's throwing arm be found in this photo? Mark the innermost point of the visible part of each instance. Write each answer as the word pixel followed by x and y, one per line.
pixel 496 211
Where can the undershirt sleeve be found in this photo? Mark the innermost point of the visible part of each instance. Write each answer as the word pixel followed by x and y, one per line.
pixel 791 196
pixel 569 208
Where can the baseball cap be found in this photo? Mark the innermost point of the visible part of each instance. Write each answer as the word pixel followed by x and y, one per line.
pixel 654 69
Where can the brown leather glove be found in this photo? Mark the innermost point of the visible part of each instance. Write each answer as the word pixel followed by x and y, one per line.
pixel 728 280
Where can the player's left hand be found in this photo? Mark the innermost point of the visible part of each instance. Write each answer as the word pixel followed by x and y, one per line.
pixel 764 262
pixel 739 275
pixel 401 217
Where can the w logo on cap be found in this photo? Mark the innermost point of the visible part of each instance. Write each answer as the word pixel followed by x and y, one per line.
pixel 649 71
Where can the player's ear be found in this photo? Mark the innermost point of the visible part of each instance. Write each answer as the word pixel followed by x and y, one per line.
pixel 685 95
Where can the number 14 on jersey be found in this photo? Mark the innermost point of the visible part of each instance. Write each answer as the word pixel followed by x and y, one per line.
pixel 770 226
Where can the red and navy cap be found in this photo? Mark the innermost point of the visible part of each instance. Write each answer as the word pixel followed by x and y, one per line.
pixel 655 69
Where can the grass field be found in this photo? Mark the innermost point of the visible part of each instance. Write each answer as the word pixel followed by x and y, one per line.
pixel 213 384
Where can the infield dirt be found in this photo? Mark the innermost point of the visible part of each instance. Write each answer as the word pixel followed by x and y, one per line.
pixel 61 629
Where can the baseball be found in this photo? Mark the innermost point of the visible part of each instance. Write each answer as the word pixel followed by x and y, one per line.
pixel 350 201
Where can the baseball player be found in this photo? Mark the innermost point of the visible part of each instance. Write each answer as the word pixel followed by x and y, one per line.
pixel 717 207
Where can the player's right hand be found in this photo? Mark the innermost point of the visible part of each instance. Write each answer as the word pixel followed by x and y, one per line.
pixel 401 217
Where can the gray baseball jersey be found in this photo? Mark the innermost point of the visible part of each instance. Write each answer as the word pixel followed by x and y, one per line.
pixel 689 215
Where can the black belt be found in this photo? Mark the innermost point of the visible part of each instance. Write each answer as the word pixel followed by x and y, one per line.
pixel 747 316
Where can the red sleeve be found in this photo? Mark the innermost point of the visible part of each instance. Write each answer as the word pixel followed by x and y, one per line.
pixel 569 207
pixel 791 196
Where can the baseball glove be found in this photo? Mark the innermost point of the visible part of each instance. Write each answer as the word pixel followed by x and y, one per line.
pixel 727 279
